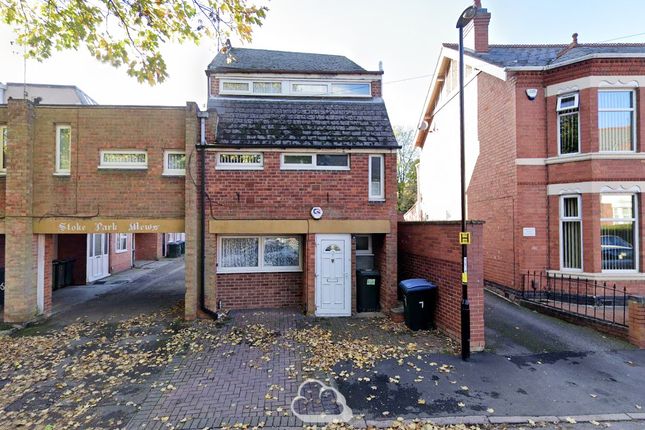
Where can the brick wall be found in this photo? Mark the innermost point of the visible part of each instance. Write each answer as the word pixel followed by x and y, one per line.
pixel 431 250
pixel 260 290
pixel 148 246
pixel 120 261
pixel 637 321
pixel 2 250
pixel 492 189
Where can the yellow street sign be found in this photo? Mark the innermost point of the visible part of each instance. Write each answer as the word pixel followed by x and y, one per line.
pixel 464 238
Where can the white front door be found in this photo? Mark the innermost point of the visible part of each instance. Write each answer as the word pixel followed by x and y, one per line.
pixel 97 257
pixel 333 270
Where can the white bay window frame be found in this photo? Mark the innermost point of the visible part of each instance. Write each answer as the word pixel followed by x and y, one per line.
pixel 564 112
pixel 571 219
pixel 634 120
pixel 261 267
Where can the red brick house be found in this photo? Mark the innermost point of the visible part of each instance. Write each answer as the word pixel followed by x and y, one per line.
pixel 555 161
pixel 301 182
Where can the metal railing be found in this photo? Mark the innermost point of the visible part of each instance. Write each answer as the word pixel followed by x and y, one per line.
pixel 583 297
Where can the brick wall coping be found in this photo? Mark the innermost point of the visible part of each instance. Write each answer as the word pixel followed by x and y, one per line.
pixel 161 107
pixel 637 299
pixel 469 222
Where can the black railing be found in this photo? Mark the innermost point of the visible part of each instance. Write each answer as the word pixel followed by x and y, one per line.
pixel 577 296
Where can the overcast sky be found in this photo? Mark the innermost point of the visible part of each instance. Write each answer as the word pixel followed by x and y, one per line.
pixel 405 34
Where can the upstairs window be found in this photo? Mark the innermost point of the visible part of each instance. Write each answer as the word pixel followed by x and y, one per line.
pixel 235 87
pixel 239 161
pixel 616 120
pixel 63 149
pixel 351 90
pixel 296 88
pixel 315 162
pixel 267 87
pixel 134 159
pixel 174 163
pixel 376 178
pixel 570 233
pixel 3 149
pixel 568 124
pixel 310 89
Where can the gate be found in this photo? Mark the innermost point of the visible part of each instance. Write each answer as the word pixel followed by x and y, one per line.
pixel 576 296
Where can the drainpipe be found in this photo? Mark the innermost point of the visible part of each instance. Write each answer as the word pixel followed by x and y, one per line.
pixel 201 148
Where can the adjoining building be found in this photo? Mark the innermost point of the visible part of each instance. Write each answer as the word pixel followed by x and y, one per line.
pixel 554 155
pixel 299 187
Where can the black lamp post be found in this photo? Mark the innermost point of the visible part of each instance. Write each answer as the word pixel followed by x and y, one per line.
pixel 465 17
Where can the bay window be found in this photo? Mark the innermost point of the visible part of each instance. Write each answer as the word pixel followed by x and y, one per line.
pixel 568 124
pixel 616 125
pixel 570 233
pixel 241 254
pixel 618 231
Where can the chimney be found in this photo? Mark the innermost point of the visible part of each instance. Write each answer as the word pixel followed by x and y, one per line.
pixel 476 32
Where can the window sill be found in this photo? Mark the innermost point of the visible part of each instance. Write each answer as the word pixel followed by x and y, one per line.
pixel 62 174
pixel 376 200
pixel 238 168
pixel 247 271
pixel 570 158
pixel 122 167
pixel 121 251
pixel 173 175
pixel 602 276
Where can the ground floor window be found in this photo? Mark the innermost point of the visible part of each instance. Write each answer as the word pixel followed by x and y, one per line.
pixel 239 254
pixel 618 231
pixel 121 242
pixel 570 233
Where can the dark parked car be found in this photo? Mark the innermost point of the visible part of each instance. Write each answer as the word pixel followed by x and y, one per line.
pixel 617 253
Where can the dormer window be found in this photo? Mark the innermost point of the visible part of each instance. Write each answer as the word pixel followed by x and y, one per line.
pixel 293 88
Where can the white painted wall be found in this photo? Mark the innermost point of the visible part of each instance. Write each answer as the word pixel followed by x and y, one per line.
pixel 439 171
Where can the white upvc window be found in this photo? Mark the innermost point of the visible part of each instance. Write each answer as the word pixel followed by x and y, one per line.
pixel 571 232
pixel 295 88
pixel 3 150
pixel 124 159
pixel 63 149
pixel 244 254
pixel 568 110
pixel 619 232
pixel 314 161
pixel 174 163
pixel 240 161
pixel 121 244
pixel 364 244
pixel 616 120
pixel 376 178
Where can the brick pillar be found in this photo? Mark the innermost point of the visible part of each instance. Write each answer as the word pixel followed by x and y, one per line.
pixel 50 254
pixel 637 321
pixel 20 268
pixel 190 216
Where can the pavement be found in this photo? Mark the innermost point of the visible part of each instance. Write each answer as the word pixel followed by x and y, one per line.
pixel 534 366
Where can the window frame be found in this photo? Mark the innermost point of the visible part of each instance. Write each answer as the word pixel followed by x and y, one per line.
pixel 635 220
pixel 287 87
pixel 57 169
pixel 117 243
pixel 561 112
pixel 370 250
pixel 381 196
pixel 261 268
pixel 563 219
pixel 634 119
pixel 232 166
pixel 166 157
pixel 4 130
pixel 122 166
pixel 314 161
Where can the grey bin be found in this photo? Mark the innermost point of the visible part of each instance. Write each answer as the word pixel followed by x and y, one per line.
pixel 419 303
pixel 174 250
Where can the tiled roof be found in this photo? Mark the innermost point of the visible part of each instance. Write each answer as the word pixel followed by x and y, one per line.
pixel 262 60
pixel 545 55
pixel 302 123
